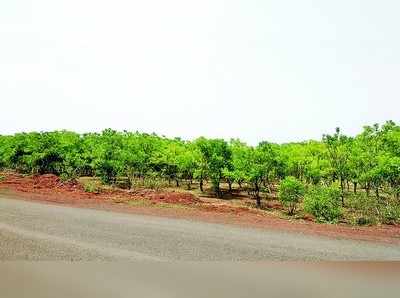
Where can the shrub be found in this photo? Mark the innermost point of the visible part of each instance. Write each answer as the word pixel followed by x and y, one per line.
pixel 291 191
pixel 91 186
pixel 390 213
pixel 66 177
pixel 324 203
pixel 365 209
pixel 152 181
pixel 369 210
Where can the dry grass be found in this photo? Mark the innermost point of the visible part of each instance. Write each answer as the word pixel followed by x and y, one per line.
pixel 149 203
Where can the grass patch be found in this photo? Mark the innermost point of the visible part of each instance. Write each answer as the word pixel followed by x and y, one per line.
pixel 91 188
pixel 91 184
pixel 139 203
pixel 148 203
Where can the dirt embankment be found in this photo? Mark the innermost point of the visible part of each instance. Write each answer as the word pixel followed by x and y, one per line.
pixel 53 189
pixel 50 188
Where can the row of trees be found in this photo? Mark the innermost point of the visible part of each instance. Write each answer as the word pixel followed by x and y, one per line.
pixel 370 161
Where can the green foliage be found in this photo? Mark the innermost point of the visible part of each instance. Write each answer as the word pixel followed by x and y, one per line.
pixel 390 213
pixel 91 187
pixel 291 191
pixel 215 157
pixel 371 210
pixel 107 160
pixel 152 181
pixel 64 177
pixel 365 209
pixel 324 203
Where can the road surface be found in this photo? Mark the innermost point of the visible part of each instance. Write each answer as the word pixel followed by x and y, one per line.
pixel 36 231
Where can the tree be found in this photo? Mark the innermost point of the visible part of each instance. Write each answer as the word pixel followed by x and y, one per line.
pixel 107 157
pixel 269 164
pixel 291 191
pixel 324 203
pixel 187 162
pixel 338 155
pixel 257 165
pixel 215 156
pixel 140 156
pixel 240 162
pixel 370 148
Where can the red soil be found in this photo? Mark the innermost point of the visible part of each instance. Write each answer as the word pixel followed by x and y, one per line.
pixel 51 185
pixel 49 188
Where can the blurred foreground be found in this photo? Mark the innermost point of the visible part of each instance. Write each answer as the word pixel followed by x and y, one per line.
pixel 146 279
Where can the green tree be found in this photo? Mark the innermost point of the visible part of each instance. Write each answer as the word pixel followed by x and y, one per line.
pixel 187 162
pixel 324 203
pixel 107 157
pixel 339 155
pixel 291 191
pixel 216 156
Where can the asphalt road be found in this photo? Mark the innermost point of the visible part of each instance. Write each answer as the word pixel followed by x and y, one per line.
pixel 35 231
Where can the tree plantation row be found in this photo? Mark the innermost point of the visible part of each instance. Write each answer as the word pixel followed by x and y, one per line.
pixel 325 177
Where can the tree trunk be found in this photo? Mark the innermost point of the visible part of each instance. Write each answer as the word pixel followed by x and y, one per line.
pixel 355 187
pixel 257 193
pixel 240 185
pixel 342 190
pixel 264 183
pixel 258 199
pixel 131 182
pixel 230 186
pixel 292 209
pixel 189 185
pixel 267 185
pixel 377 192
pixel 201 185
pixel 217 190
pixel 177 182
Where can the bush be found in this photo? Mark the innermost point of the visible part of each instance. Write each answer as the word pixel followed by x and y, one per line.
pixel 324 203
pixel 390 213
pixel 152 181
pixel 91 186
pixel 364 208
pixel 66 177
pixel 369 210
pixel 291 191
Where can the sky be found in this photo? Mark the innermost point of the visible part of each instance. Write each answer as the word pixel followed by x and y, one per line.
pixel 251 69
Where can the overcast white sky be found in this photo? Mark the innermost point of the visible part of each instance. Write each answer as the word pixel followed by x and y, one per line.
pixel 255 69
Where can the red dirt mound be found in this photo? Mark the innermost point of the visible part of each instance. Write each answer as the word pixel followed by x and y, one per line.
pixel 172 197
pixel 39 183
pixel 46 181
pixel 176 198
pixel 55 190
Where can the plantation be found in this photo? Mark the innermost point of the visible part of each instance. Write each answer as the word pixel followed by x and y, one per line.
pixel 355 179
